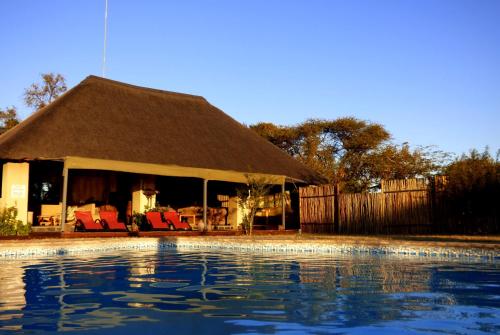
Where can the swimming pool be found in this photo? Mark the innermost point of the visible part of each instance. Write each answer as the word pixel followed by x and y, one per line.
pixel 215 292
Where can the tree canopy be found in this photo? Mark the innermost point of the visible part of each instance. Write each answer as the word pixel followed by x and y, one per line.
pixel 8 118
pixel 354 153
pixel 473 172
pixel 472 190
pixel 39 95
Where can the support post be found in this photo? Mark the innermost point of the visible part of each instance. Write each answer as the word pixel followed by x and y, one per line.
pixel 205 192
pixel 283 205
pixel 64 197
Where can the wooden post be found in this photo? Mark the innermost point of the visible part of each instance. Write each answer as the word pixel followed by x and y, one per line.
pixel 205 191
pixel 64 197
pixel 283 205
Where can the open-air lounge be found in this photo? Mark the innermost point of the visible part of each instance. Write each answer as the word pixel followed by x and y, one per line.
pixel 112 157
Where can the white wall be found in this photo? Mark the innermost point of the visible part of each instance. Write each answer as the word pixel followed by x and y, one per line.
pixel 15 182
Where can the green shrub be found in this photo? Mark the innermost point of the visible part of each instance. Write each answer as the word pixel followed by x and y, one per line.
pixel 10 225
pixel 140 220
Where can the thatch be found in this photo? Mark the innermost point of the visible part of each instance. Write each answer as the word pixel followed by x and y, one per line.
pixel 106 119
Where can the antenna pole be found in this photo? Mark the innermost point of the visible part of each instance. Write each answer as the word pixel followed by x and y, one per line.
pixel 105 40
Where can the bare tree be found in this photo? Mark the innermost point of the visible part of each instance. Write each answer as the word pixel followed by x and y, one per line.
pixel 250 199
pixel 39 95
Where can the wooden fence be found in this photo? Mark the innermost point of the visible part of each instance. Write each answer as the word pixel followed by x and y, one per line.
pixel 317 208
pixel 403 206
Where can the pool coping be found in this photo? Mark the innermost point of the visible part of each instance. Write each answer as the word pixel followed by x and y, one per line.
pixel 296 245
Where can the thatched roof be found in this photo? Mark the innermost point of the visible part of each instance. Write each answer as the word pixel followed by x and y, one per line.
pixel 105 119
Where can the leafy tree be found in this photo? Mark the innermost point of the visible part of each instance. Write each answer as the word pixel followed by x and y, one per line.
pixel 8 118
pixel 472 173
pixel 472 191
pixel 399 162
pixel 350 152
pixel 39 95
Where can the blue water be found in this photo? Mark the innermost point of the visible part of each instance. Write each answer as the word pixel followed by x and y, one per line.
pixel 174 292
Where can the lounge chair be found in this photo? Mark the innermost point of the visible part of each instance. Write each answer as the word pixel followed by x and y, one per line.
pixel 154 219
pixel 173 219
pixel 109 219
pixel 85 222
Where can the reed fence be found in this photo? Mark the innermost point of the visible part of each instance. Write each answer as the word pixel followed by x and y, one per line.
pixel 403 206
pixel 317 208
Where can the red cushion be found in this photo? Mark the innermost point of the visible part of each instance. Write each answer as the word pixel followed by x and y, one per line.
pixel 155 220
pixel 174 218
pixel 111 219
pixel 85 217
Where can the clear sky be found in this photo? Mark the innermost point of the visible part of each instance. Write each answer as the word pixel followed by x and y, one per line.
pixel 429 70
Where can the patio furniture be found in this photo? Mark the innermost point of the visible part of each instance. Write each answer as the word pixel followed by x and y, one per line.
pixel 109 219
pixel 193 215
pixel 173 219
pixel 155 221
pixel 217 218
pixel 85 222
pixel 50 215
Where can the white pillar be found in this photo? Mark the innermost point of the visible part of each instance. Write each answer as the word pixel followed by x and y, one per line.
pixel 64 197
pixel 140 202
pixel 205 192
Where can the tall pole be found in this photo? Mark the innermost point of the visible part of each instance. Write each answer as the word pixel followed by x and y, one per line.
pixel 205 195
pixel 105 40
pixel 64 196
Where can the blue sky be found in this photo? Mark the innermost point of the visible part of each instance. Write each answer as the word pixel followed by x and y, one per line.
pixel 427 70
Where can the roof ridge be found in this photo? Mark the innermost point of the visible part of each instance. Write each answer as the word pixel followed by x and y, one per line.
pixel 121 83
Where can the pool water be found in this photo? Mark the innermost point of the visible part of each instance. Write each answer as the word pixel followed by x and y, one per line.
pixel 196 292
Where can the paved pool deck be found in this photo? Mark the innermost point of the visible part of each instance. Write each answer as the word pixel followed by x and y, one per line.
pixel 450 246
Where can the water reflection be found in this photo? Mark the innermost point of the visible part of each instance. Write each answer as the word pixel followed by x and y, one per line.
pixel 12 299
pixel 241 293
